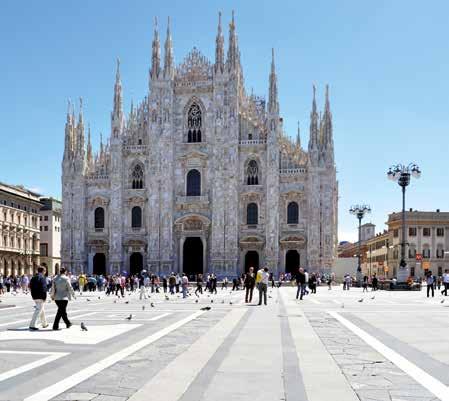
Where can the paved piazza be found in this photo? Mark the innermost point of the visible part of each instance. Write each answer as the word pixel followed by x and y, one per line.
pixel 391 346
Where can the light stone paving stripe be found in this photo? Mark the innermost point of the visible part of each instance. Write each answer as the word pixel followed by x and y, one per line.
pixel 427 381
pixel 27 320
pixel 52 391
pixel 316 364
pixel 189 364
pixel 51 356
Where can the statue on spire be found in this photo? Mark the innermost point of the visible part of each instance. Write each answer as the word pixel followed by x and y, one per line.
pixel 168 59
pixel 156 54
pixel 117 112
pixel 273 104
pixel 233 58
pixel 219 48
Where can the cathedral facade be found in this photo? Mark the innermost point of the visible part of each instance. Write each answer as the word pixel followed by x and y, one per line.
pixel 199 177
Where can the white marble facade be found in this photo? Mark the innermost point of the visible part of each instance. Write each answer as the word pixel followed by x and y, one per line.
pixel 199 176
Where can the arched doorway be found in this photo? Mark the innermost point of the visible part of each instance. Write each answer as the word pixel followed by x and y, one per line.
pixel 292 261
pixel 135 263
pixel 251 260
pixel 192 257
pixel 99 264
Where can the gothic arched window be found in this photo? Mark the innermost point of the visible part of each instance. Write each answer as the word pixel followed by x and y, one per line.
pixel 136 217
pixel 99 217
pixel 137 177
pixel 252 173
pixel 194 123
pixel 292 213
pixel 252 214
pixel 193 183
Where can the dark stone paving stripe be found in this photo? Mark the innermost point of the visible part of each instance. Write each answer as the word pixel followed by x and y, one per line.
pixel 430 365
pixel 200 384
pixel 293 381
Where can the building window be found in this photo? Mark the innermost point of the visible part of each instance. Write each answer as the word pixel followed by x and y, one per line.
pixel 252 214
pixel 136 217
pixel 252 173
pixel 412 231
pixel 45 228
pixel 396 233
pixel 412 271
pixel 194 124
pixel 440 252
pixel 193 183
pixel 45 218
pixel 137 177
pixel 412 252
pixel 44 249
pixel 99 218
pixel 426 252
pixel 440 232
pixel 426 232
pixel 292 213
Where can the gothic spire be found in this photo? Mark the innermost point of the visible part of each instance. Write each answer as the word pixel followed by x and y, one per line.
pixel 328 140
pixel 89 151
pixel 118 111
pixel 273 105
pixel 219 48
pixel 313 141
pixel 298 137
pixel 233 61
pixel 68 133
pixel 168 59
pixel 156 54
pixel 80 131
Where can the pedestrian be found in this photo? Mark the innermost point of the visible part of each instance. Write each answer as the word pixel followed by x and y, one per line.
pixel 172 283
pixel 235 284
pixel 224 284
pixel 263 285
pixel 199 284
pixel 213 284
pixel 38 287
pixel 25 282
pixel 445 282
pixel 61 292
pixel 430 280
pixel 249 283
pixel 329 282
pixel 300 283
pixel 164 284
pixel 374 282
pixel 312 283
pixel 365 283
pixel 178 282
pixel 306 273
pixel 184 285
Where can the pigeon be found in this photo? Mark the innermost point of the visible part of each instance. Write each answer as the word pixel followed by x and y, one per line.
pixel 211 301
pixel 167 298
pixel 196 301
pixel 83 327
pixel 373 297
pixel 342 306
pixel 206 308
pixel 99 297
pixel 88 300
pixel 269 296
pixel 230 303
pixel 360 300
pixel 115 301
pixel 442 301
pixel 152 305
pixel 129 317
pixel 222 301
pixel 127 302
pixel 143 307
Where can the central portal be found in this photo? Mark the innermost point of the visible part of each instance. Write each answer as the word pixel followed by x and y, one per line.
pixel 193 257
pixel 135 263
pixel 251 260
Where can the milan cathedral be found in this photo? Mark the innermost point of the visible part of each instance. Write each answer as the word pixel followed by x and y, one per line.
pixel 199 177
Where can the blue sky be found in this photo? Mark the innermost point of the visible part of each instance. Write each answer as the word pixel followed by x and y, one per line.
pixel 386 62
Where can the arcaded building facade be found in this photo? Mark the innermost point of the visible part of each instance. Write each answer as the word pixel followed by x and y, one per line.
pixel 199 177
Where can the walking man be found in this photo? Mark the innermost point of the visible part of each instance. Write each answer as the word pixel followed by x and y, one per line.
pixel 430 284
pixel 263 285
pixel 199 285
pixel 249 283
pixel 445 282
pixel 61 292
pixel 184 285
pixel 301 283
pixel 38 287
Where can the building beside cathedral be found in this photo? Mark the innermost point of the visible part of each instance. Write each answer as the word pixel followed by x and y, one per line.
pixel 199 177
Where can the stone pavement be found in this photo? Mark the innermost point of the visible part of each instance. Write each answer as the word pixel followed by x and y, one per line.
pixel 391 346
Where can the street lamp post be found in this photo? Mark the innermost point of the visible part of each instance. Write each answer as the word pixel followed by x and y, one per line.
pixel 359 211
pixel 402 174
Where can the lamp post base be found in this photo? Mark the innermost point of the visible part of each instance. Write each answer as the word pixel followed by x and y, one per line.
pixel 403 274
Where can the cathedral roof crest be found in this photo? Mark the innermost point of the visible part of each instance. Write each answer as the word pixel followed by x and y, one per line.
pixel 194 67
